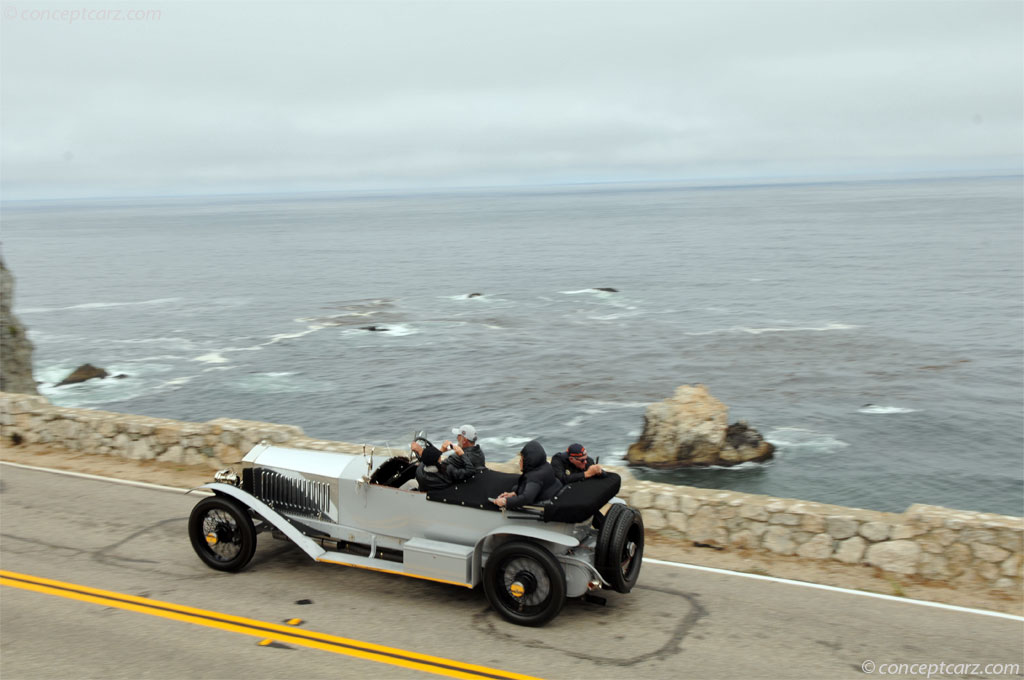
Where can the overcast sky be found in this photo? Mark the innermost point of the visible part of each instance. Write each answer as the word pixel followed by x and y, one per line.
pixel 237 97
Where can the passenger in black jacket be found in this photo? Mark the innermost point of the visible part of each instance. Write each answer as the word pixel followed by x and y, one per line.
pixel 474 455
pixel 536 484
pixel 432 474
pixel 574 465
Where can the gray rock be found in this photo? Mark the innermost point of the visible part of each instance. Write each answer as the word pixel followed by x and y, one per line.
pixel 818 547
pixel 899 557
pixel 653 519
pixel 777 539
pixel 989 553
pixel 691 429
pixel 840 527
pixel 83 373
pixel 874 531
pixel 851 550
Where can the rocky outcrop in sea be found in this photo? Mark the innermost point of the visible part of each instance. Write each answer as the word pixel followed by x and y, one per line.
pixel 83 373
pixel 691 429
pixel 15 347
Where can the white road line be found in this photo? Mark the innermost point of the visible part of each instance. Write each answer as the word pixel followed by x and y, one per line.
pixel 678 565
pixel 126 482
pixel 836 589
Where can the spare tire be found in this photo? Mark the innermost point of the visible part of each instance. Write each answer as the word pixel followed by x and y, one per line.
pixel 604 539
pixel 625 551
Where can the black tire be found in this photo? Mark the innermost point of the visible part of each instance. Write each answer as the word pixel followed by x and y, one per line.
pixel 626 551
pixel 534 570
pixel 222 533
pixel 604 539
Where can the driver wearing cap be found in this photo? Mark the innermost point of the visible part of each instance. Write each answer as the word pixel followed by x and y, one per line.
pixel 472 457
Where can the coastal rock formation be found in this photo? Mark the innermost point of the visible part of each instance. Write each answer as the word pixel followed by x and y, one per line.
pixel 15 348
pixel 691 429
pixel 83 373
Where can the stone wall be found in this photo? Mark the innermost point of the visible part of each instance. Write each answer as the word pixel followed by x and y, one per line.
pixel 926 543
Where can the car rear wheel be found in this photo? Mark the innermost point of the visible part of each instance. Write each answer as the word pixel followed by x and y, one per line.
pixel 222 533
pixel 625 551
pixel 524 583
pixel 605 565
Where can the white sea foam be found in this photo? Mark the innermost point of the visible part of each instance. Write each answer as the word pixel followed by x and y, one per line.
pixel 219 368
pixel 467 296
pixel 884 410
pixel 177 342
pixel 211 358
pixel 289 336
pixel 97 305
pixel 804 439
pixel 285 382
pixel 503 442
pixel 748 465
pixel 576 422
pixel 177 382
pixel 619 404
pixel 399 330
pixel 793 329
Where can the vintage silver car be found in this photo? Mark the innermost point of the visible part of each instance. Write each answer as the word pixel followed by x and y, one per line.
pixel 347 509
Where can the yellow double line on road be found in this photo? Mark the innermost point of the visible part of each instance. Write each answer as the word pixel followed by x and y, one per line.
pixel 256 628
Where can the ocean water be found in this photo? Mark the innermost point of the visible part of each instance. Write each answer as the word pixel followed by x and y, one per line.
pixel 872 330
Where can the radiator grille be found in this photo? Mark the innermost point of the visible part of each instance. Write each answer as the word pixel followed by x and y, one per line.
pixel 300 496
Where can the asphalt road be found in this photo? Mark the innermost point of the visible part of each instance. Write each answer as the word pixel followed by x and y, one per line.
pixel 676 623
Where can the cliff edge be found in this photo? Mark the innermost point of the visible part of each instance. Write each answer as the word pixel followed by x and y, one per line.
pixel 15 348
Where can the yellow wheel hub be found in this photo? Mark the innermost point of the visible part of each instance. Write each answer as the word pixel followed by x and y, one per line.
pixel 517 589
pixel 211 538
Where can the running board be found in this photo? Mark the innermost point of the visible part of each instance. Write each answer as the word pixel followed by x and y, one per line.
pixel 421 558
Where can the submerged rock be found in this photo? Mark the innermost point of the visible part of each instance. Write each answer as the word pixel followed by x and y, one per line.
pixel 691 429
pixel 608 290
pixel 83 373
pixel 473 295
pixel 377 329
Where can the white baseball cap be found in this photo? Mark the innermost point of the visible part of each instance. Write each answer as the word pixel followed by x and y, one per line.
pixel 467 431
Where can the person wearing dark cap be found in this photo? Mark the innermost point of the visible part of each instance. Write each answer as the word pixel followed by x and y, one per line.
pixel 536 484
pixel 432 474
pixel 473 456
pixel 574 465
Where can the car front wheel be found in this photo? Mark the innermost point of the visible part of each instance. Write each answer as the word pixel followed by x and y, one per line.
pixel 222 533
pixel 524 583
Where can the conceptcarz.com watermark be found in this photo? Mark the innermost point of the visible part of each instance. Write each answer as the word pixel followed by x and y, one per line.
pixel 74 15
pixel 928 670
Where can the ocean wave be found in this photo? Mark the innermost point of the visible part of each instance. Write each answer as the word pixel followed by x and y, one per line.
pixel 178 342
pixel 875 409
pixel 176 382
pixel 211 358
pixel 619 404
pixel 96 305
pixel 394 330
pixel 793 329
pixel 804 439
pixel 575 422
pixel 504 442
pixel 747 465
pixel 284 382
pixel 468 296
pixel 290 336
